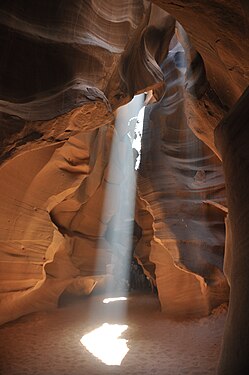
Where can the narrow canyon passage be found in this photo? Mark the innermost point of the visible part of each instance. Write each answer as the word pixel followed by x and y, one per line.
pixel 124 171
pixel 49 342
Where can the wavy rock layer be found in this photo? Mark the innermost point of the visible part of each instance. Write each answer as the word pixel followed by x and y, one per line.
pixel 219 31
pixel 82 56
pixel 66 67
pixel 181 181
pixel 37 261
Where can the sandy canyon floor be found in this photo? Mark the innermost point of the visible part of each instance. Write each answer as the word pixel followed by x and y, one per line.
pixel 55 343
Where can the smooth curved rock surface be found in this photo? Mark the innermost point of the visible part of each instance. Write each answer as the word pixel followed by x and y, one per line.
pixel 177 179
pixel 62 56
pixel 36 259
pixel 219 31
pixel 65 68
pixel 231 138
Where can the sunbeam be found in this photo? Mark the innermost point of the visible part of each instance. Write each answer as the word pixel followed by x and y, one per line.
pixel 119 200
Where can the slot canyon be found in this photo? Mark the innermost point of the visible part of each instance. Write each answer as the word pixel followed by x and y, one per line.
pixel 124 196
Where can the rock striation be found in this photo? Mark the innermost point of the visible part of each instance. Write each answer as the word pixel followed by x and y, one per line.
pixel 65 68
pixel 62 78
pixel 178 179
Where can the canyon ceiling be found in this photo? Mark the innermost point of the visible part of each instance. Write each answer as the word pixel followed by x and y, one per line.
pixel 65 69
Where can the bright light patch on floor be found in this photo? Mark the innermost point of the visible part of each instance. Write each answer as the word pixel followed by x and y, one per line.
pixel 114 299
pixel 105 344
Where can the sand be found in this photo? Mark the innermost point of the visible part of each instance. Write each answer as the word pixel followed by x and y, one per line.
pixel 48 343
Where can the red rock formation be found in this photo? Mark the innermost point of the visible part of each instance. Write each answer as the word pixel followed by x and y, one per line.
pixel 85 60
pixel 37 263
pixel 231 139
pixel 65 68
pixel 175 179
pixel 84 56
pixel 219 31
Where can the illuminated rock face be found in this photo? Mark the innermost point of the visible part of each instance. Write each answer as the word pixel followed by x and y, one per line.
pixel 65 68
pixel 37 261
pixel 176 179
pixel 219 31
pixel 79 61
